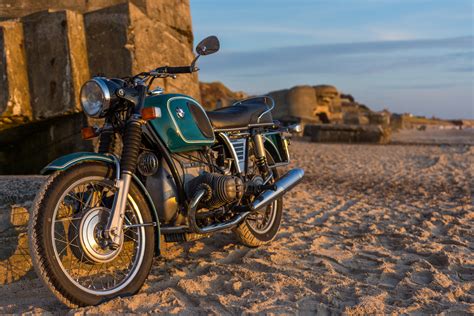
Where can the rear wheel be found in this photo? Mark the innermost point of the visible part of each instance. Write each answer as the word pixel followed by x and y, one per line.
pixel 67 246
pixel 262 227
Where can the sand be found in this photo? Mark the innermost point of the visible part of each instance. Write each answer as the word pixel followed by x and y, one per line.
pixel 372 229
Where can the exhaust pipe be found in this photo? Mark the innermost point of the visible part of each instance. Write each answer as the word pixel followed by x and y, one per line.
pixel 283 185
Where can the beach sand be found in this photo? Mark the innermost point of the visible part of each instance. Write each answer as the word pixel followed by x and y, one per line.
pixel 371 229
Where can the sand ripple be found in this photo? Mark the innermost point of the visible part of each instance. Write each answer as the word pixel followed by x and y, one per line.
pixel 372 229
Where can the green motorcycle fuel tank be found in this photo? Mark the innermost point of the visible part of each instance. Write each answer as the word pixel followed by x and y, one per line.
pixel 183 125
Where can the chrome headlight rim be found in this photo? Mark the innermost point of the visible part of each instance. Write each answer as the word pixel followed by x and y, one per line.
pixel 102 84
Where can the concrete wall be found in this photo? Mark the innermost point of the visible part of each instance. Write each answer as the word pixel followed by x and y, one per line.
pixel 15 107
pixel 307 103
pixel 19 8
pixel 56 57
pixel 124 40
pixel 46 56
pixel 26 149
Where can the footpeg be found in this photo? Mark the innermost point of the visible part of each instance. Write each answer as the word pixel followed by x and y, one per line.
pixel 256 189
pixel 264 187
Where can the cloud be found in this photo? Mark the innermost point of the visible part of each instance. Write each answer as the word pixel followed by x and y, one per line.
pixel 345 58
pixel 427 86
pixel 408 67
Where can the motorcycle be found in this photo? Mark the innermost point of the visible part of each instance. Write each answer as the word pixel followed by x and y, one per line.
pixel 183 173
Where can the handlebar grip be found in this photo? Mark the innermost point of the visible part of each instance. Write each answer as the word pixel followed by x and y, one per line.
pixel 179 70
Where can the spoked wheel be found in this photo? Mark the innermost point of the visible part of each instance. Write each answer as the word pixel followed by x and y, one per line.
pixel 262 221
pixel 69 251
pixel 262 226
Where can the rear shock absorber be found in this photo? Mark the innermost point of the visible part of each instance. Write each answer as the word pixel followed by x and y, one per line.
pixel 260 155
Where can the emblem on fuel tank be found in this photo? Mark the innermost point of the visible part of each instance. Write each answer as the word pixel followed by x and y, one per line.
pixel 180 113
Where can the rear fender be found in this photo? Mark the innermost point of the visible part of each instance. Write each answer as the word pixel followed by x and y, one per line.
pixel 67 161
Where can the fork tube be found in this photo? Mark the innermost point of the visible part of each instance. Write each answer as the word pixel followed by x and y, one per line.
pixel 131 147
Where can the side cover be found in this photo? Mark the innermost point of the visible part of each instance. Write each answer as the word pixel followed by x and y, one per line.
pixel 183 125
pixel 277 146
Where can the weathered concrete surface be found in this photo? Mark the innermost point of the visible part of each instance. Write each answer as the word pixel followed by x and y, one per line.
pixel 343 133
pixel 18 8
pixel 45 57
pixel 16 197
pixel 308 104
pixel 56 56
pixel 27 149
pixel 216 95
pixel 14 95
pixel 124 40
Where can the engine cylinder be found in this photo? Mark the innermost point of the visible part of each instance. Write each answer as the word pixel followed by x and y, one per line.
pixel 221 189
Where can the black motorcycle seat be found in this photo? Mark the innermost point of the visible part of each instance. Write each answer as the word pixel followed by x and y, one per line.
pixel 240 116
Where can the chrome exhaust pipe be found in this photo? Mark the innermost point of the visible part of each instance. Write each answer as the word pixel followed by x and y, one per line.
pixel 283 185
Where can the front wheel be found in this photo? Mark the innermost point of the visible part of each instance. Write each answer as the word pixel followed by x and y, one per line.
pixel 67 246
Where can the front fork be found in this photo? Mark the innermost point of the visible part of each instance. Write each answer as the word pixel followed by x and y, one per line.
pixel 131 147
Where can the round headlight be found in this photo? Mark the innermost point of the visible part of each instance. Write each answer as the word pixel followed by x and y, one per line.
pixel 95 97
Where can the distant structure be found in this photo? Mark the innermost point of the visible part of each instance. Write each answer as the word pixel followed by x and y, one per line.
pixel 328 115
pixel 308 104
pixel 48 49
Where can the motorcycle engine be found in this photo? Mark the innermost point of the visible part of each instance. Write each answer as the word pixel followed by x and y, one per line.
pixel 195 174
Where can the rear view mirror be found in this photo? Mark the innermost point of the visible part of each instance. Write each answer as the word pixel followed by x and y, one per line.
pixel 208 46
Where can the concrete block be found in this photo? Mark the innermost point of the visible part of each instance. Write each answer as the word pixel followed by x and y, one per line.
pixel 107 40
pixel 14 95
pixel 343 133
pixel 122 40
pixel 19 8
pixel 56 55
pixel 175 14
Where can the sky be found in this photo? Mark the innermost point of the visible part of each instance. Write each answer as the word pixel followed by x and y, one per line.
pixel 414 56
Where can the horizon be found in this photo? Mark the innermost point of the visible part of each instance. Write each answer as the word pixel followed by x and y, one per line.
pixel 405 56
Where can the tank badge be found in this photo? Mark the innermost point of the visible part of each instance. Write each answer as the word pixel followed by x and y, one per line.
pixel 180 113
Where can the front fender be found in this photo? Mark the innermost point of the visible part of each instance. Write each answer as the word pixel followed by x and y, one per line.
pixel 67 161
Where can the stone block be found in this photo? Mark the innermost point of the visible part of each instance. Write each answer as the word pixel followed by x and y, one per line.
pixel 122 40
pixel 176 14
pixel 57 59
pixel 14 95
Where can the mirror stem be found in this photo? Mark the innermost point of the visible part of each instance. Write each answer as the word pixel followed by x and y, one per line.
pixel 194 61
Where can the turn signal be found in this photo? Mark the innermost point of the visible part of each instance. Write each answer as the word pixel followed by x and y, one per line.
pixel 151 113
pixel 88 132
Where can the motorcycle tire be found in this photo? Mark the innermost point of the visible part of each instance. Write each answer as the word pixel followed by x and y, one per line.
pixel 43 240
pixel 250 236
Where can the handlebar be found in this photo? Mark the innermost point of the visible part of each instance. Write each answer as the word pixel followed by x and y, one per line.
pixel 162 72
pixel 175 70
